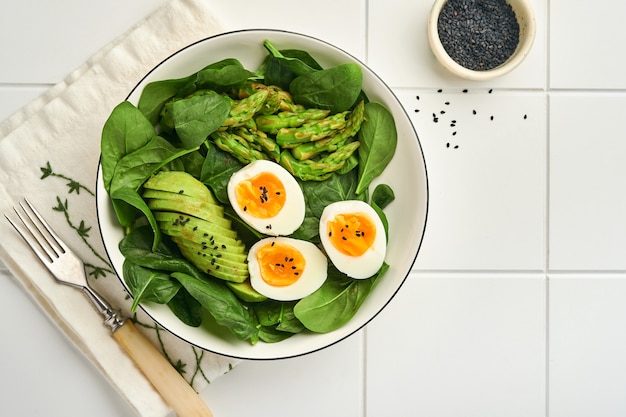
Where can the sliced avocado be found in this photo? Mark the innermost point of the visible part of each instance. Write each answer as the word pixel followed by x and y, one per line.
pixel 184 199
pixel 196 210
pixel 179 182
pixel 186 211
pixel 232 253
pixel 245 292
pixel 235 272
pixel 185 222
pixel 228 263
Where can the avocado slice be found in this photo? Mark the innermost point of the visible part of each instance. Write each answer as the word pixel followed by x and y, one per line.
pixel 245 292
pixel 179 182
pixel 192 225
pixel 186 210
pixel 193 208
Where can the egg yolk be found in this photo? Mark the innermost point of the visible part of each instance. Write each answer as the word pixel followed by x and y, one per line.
pixel 262 196
pixel 351 233
pixel 280 264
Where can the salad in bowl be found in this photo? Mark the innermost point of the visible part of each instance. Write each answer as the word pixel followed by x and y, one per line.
pixel 261 194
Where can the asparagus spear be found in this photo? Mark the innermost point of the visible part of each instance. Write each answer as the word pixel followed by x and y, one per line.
pixel 353 124
pixel 277 100
pixel 310 170
pixel 257 137
pixel 243 110
pixel 311 131
pixel 236 146
pixel 272 123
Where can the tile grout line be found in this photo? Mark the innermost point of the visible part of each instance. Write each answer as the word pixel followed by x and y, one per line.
pixel 547 215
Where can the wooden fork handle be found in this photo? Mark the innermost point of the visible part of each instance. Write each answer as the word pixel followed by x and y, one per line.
pixel 166 380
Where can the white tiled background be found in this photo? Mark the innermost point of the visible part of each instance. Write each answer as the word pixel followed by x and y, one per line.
pixel 516 305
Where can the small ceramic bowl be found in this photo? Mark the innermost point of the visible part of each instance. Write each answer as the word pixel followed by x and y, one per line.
pixel 527 26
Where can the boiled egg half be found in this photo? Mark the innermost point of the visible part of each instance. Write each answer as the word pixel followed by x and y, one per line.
pixel 353 237
pixel 267 197
pixel 286 269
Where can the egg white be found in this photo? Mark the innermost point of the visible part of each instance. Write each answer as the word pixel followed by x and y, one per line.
pixel 291 215
pixel 367 264
pixel 312 277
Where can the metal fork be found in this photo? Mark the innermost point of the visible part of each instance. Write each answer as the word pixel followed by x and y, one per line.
pixel 67 268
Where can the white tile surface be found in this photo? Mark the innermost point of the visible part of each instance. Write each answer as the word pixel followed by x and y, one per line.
pixel 487 178
pixel 587 344
pixel 463 346
pixel 338 22
pixel 43 41
pixel 585 44
pixel 587 172
pixel 329 382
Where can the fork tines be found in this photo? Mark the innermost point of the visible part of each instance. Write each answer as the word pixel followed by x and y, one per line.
pixel 37 233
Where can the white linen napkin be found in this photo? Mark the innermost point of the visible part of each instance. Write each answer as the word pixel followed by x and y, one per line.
pixel 49 153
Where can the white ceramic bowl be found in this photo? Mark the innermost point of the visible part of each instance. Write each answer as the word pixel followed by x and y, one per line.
pixel 406 174
pixel 526 20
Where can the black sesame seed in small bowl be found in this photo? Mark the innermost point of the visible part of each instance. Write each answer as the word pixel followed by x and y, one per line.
pixel 481 39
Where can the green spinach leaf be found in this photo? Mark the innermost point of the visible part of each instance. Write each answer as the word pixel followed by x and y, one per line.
pixel 379 138
pixel 222 304
pixel 281 67
pixel 336 301
pixel 127 204
pixel 222 76
pixel 218 167
pixel 186 308
pixel 196 117
pixel 157 93
pixel 136 246
pixel 125 131
pixel 148 284
pixel 335 89
pixel 382 196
